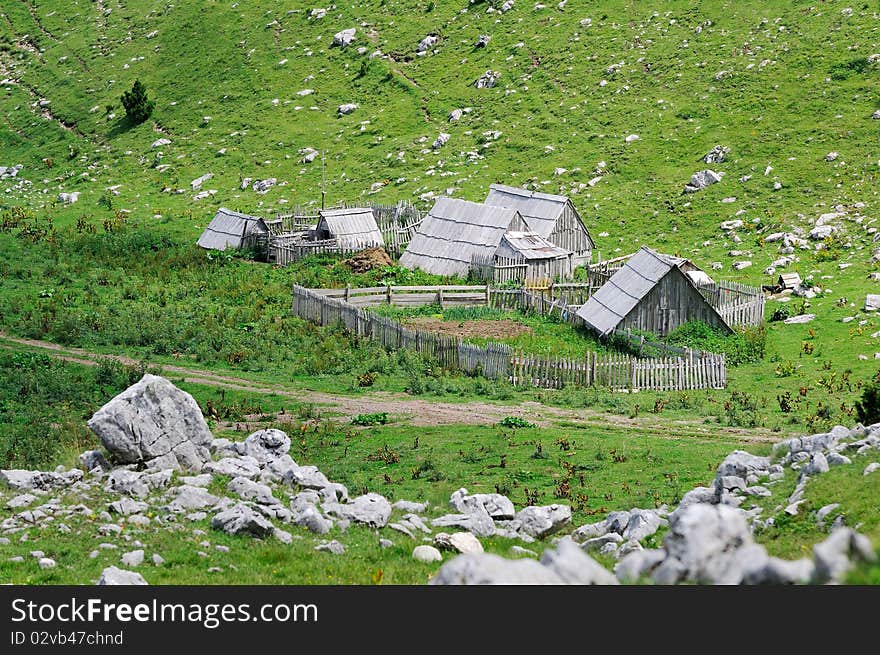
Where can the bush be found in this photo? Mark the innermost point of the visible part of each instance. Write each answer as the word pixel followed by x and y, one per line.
pixel 781 314
pixel 868 406
pixel 746 344
pixel 379 418
pixel 138 106
pixel 515 422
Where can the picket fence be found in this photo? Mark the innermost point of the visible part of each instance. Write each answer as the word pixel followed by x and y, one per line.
pixel 499 361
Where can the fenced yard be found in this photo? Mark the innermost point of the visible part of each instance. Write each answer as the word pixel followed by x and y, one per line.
pixel 687 370
pixel 289 239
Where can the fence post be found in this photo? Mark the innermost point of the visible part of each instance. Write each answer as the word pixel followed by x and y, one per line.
pixel 440 297
pixel 388 294
pixel 347 293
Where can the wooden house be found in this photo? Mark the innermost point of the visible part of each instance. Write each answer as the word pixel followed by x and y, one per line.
pixel 229 229
pixel 651 292
pixel 455 233
pixel 553 217
pixel 353 228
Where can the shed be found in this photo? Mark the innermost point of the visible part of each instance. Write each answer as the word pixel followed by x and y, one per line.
pixel 455 233
pixel 651 292
pixel 553 217
pixel 543 259
pixel 354 228
pixel 229 229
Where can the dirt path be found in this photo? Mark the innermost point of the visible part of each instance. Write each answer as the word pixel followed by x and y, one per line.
pixel 420 412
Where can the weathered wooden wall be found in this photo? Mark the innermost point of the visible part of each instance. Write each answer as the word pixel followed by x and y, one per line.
pixel 672 302
pixel 570 233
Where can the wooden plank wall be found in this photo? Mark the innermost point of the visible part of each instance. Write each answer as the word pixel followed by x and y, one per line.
pixel 498 361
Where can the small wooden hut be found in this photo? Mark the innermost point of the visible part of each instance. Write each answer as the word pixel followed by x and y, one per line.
pixel 229 229
pixel 651 292
pixel 353 228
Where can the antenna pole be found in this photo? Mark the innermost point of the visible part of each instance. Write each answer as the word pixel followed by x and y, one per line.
pixel 322 179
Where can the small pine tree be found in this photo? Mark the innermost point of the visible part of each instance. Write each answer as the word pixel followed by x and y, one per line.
pixel 137 106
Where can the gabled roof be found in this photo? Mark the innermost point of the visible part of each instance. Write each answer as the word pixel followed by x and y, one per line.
pixel 539 210
pixel 529 245
pixel 606 308
pixel 228 229
pixel 454 232
pixel 353 227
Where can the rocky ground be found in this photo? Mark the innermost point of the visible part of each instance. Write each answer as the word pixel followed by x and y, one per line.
pixel 162 468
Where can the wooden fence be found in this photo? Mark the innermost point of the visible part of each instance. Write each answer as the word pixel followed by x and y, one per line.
pixel 397 223
pixel 503 270
pixel 409 296
pixel 738 304
pixel 498 361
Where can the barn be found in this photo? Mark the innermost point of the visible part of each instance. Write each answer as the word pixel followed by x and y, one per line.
pixel 353 228
pixel 229 229
pixel 652 292
pixel 553 217
pixel 455 233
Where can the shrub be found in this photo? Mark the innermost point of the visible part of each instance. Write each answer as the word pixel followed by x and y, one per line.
pixel 138 106
pixel 868 406
pixel 515 422
pixel 379 418
pixel 780 314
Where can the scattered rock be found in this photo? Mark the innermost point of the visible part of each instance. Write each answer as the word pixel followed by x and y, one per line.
pixel 488 569
pixel 157 559
pixel 426 554
pixel 573 566
pixel 701 180
pixel 870 468
pixel 347 108
pixel 39 480
pixel 241 519
pixel 47 563
pixel 835 556
pixel 126 506
pixel 461 542
pixel 487 80
pixel 92 459
pixel 372 509
pixel 799 319
pixel 427 43
pixel 716 155
pixel 344 38
pixel 333 547
pixel 497 506
pixel 114 576
pixel 190 498
pixel 245 467
pixel 133 558
pixel 540 522
pixel 156 424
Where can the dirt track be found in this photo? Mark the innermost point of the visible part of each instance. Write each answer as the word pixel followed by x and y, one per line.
pixel 420 412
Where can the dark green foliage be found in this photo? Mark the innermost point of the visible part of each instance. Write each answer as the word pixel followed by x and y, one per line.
pixel 138 106
pixel 780 314
pixel 868 406
pixel 515 422
pixel 379 418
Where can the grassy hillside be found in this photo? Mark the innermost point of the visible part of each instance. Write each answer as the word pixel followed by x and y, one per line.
pixel 241 88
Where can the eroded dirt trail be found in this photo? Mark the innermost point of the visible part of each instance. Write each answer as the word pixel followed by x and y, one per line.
pixel 418 411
